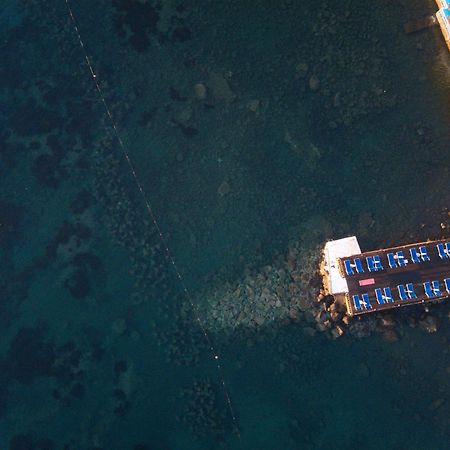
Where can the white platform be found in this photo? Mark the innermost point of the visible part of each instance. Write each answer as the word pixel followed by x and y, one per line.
pixel 340 248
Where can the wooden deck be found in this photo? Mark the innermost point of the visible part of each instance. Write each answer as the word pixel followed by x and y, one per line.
pixel 411 273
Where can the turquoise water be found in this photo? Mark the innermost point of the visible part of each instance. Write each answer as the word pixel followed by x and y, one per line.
pixel 258 130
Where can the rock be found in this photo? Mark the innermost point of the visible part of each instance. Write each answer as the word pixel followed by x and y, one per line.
pixel 119 326
pixel 302 69
pixel 346 320
pixel 200 91
pixel 224 189
pixel 293 314
pixel 183 116
pixel 337 331
pixel 314 83
pixel 390 336
pixel 436 404
pixel 253 105
pixel 304 303
pixel 259 320
pixel 220 88
pixel 336 316
pixel 387 321
pixel 429 324
pixel 309 331
pixel 411 322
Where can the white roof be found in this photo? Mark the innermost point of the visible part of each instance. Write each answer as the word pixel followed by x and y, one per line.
pixel 339 248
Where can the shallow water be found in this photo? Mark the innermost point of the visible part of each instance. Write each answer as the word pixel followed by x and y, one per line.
pixel 257 130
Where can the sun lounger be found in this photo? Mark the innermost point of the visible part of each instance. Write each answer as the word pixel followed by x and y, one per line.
pixel 419 255
pixel 388 295
pixel 402 261
pixel 447 285
pixel 366 301
pixel 410 291
pixel 414 255
pixel 379 296
pixel 356 302
pixel 392 261
pixel 358 265
pixel 436 289
pixel 348 267
pixel 402 292
pixel 427 289
pixel 377 262
pixel 370 264
pixel 423 253
pixel 443 250
pixel 374 263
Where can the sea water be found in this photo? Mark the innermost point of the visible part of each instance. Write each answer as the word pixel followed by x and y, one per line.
pixel 257 130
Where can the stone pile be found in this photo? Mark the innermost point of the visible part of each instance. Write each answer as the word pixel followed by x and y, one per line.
pixel 283 291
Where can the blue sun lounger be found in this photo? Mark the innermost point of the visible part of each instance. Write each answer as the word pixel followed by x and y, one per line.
pixel 414 255
pixel 356 302
pixel 391 260
pixel 443 250
pixel 379 296
pixel 383 296
pixel 447 285
pixel 349 266
pixel 421 255
pixel 436 288
pixel 388 294
pixel 402 292
pixel 401 259
pixel 429 292
pixel 358 265
pixel 374 263
pixel 396 259
pixel 410 291
pixel 363 303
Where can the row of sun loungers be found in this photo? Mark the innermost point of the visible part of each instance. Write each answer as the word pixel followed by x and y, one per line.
pixel 395 260
pixel 432 289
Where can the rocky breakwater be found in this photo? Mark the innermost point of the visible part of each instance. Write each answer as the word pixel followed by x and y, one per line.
pixel 333 317
pixel 284 291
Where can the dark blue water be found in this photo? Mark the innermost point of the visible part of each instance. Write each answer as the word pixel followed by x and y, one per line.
pixel 258 130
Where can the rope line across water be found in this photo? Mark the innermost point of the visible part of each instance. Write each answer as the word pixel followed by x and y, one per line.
pixel 214 354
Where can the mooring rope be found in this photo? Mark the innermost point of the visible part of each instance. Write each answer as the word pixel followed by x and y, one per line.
pixel 214 354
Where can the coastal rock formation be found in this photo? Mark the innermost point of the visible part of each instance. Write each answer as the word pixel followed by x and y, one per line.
pixel 283 291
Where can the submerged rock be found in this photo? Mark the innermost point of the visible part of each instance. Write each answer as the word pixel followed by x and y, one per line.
pixel 314 83
pixel 429 324
pixel 390 335
pixel 200 91
pixel 224 189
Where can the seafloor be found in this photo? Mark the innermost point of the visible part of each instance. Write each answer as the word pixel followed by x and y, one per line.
pixel 258 130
